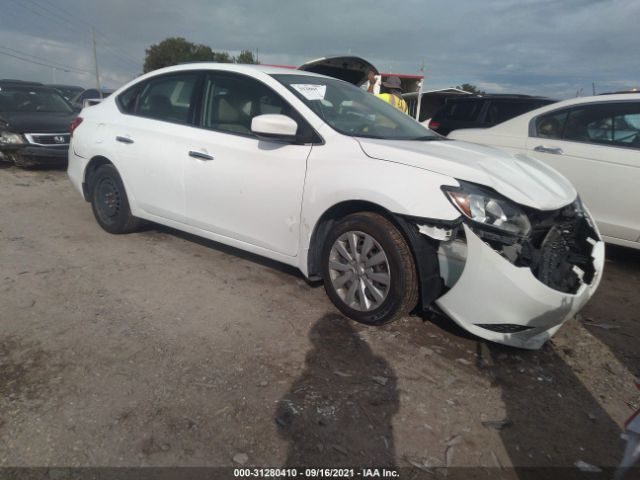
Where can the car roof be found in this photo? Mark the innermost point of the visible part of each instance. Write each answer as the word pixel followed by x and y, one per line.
pixel 232 67
pixel 522 121
pixel 501 96
pixel 20 83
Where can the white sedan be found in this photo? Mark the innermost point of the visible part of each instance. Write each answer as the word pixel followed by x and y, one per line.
pixel 595 143
pixel 316 173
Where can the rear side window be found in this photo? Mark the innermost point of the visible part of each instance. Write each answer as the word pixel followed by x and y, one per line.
pixel 551 125
pixel 168 98
pixel 464 111
pixel 503 110
pixel 128 100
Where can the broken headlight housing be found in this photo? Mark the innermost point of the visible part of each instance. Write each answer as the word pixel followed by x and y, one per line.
pixel 9 138
pixel 489 208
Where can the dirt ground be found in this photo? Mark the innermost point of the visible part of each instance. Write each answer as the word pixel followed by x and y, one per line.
pixel 159 348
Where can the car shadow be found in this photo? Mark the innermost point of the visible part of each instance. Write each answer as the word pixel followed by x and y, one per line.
pixel 339 411
pixel 229 250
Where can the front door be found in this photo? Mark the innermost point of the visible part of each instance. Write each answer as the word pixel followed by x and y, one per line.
pixel 237 185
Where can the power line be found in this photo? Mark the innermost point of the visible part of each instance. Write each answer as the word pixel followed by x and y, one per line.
pixel 66 69
pixel 54 10
pixel 57 64
pixel 66 23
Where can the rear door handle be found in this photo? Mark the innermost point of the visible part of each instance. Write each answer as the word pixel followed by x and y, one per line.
pixel 543 149
pixel 200 155
pixel 124 139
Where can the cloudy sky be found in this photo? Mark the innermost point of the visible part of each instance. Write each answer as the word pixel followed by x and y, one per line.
pixel 549 47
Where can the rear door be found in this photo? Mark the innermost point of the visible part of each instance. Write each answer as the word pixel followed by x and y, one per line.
pixel 151 139
pixel 597 147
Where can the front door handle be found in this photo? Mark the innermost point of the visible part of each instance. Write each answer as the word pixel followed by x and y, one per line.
pixel 543 149
pixel 124 139
pixel 200 155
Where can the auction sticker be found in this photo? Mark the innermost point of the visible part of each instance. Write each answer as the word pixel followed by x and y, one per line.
pixel 311 92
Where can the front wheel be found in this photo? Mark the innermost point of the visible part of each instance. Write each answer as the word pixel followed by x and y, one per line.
pixel 368 269
pixel 109 202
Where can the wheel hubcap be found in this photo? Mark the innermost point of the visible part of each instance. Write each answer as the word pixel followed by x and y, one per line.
pixel 108 197
pixel 359 271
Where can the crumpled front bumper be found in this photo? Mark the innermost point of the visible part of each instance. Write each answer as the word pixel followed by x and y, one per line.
pixel 36 155
pixel 512 305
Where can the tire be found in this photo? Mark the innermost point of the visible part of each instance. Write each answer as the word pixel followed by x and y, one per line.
pixel 109 202
pixel 382 256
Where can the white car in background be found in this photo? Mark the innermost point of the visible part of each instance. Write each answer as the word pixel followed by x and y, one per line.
pixel 595 143
pixel 316 173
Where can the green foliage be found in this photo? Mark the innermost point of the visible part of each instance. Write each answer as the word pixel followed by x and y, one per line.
pixel 175 50
pixel 467 87
pixel 246 56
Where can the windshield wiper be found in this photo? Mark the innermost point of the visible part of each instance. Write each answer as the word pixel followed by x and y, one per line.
pixel 426 138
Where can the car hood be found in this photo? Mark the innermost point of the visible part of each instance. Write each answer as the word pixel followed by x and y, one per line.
pixel 523 179
pixel 37 122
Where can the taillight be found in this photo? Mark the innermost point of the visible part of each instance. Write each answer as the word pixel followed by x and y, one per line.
pixel 433 125
pixel 74 124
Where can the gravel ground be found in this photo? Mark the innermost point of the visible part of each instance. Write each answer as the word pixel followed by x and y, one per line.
pixel 159 348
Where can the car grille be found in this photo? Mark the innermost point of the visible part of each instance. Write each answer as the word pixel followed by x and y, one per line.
pixel 48 139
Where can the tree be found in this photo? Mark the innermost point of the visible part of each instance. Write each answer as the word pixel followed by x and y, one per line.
pixel 467 87
pixel 175 50
pixel 246 56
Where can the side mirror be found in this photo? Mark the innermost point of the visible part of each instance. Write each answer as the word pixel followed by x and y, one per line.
pixel 274 127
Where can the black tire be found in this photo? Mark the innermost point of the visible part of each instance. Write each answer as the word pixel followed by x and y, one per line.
pixel 109 202
pixel 401 293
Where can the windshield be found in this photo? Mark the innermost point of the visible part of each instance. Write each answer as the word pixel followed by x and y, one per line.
pixel 352 111
pixel 25 99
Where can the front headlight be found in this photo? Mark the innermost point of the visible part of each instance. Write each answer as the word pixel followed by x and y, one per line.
pixel 488 208
pixel 8 138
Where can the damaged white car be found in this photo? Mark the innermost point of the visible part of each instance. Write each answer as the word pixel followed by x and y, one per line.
pixel 316 173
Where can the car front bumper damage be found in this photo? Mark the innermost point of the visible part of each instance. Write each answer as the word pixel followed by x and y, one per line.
pixel 499 301
pixel 517 292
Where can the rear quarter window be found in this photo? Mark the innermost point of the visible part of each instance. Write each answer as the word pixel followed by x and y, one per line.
pixel 465 111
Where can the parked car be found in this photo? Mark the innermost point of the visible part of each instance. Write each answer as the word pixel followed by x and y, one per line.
pixel 482 111
pixel 69 92
pixel 316 173
pixel 89 94
pixel 595 143
pixel 34 124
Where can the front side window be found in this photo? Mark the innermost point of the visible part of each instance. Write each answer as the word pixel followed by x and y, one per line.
pixel 168 98
pixel 31 100
pixel 352 111
pixel 616 124
pixel 231 102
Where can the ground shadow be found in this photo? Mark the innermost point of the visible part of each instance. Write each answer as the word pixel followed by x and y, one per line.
pixel 612 316
pixel 552 421
pixel 339 411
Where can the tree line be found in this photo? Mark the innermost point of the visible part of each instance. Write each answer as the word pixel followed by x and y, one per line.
pixel 176 50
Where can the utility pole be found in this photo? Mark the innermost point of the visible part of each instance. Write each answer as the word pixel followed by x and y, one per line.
pixel 95 60
pixel 419 99
pixel 593 88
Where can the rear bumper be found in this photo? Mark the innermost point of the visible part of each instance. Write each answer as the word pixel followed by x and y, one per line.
pixel 500 302
pixel 35 155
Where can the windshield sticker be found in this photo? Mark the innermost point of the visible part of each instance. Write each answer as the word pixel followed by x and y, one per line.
pixel 311 92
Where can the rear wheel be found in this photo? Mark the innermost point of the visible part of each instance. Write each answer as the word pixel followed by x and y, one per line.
pixel 109 202
pixel 368 269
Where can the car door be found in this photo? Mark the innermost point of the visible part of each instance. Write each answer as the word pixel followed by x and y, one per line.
pixel 239 186
pixel 152 138
pixel 597 147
